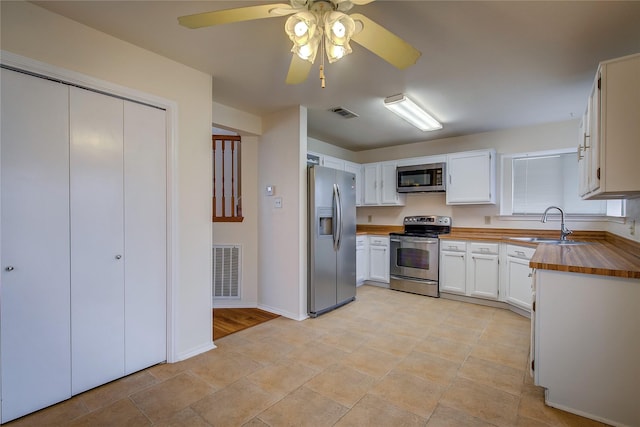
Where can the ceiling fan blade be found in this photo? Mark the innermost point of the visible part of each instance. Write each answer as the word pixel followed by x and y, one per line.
pixel 227 16
pixel 384 43
pixel 298 70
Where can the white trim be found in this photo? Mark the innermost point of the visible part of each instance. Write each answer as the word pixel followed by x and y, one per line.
pixel 195 351
pixel 284 313
pixel 171 107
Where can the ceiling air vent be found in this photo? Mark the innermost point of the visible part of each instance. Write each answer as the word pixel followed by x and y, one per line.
pixel 343 112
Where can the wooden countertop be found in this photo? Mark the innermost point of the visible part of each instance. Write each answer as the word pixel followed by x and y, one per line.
pixel 607 254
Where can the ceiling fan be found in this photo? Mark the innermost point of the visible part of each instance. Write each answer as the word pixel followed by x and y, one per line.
pixel 318 25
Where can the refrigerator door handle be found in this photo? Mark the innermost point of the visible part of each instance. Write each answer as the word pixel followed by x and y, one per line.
pixel 337 235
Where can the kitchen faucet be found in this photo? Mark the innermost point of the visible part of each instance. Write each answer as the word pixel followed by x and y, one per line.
pixel 564 231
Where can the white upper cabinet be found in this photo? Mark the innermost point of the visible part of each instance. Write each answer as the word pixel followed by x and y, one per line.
pixel 356 169
pixel 609 148
pixel 333 163
pixel 471 177
pixel 380 185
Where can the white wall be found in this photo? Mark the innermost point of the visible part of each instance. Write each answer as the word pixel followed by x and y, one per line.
pixel 32 32
pixel 282 231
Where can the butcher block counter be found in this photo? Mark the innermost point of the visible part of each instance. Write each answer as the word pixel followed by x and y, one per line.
pixel 606 254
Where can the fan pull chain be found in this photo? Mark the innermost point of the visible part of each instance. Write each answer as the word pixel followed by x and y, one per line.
pixel 322 78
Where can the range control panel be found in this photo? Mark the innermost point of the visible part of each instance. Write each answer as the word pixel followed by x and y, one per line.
pixel 427 220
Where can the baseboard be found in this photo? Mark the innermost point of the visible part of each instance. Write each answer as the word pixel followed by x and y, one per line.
pixel 235 304
pixel 282 313
pixel 196 351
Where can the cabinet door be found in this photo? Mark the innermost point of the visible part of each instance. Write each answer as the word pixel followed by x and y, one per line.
pixel 379 263
pixel 483 276
pixel 453 272
pixel 333 163
pixel 388 193
pixel 34 307
pixel 145 184
pixel 97 239
pixel 356 169
pixel 471 177
pixel 519 282
pixel 371 184
pixel 592 151
pixel 362 260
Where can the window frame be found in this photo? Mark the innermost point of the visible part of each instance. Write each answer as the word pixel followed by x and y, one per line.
pixel 506 189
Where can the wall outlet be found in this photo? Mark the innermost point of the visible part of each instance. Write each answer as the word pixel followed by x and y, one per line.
pixel 487 220
pixel 369 218
pixel 277 202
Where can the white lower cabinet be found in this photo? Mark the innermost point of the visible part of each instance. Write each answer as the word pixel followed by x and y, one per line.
pixel 453 266
pixel 483 270
pixel 83 226
pixel 473 269
pixel 586 346
pixel 518 276
pixel 379 258
pixel 362 259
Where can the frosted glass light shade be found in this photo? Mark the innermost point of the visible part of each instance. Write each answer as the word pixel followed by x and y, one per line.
pixel 412 113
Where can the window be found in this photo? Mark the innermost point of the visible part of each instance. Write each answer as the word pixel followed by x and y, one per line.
pixel 531 182
pixel 227 198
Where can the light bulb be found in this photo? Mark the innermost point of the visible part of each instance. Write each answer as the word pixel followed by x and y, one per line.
pixel 337 52
pixel 300 28
pixel 305 51
pixel 338 29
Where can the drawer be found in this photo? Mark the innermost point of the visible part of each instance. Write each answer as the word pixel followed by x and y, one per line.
pixel 484 248
pixel 520 251
pixel 453 246
pixel 378 241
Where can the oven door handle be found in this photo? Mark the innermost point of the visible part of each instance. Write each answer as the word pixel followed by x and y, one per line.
pixel 421 241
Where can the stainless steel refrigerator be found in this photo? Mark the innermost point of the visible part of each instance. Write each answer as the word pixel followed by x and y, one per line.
pixel 332 239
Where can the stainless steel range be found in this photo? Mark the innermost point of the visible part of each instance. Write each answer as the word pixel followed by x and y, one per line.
pixel 415 254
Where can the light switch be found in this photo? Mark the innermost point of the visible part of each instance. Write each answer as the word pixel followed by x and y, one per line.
pixel 271 189
pixel 277 202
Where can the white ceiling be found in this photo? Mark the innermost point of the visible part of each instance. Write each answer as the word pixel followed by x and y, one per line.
pixel 484 66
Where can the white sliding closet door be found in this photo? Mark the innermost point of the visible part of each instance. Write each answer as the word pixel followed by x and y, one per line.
pixel 97 239
pixel 145 183
pixel 34 234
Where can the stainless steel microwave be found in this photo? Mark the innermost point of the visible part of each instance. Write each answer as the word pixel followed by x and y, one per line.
pixel 421 178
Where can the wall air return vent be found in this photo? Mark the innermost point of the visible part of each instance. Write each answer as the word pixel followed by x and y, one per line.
pixel 343 112
pixel 226 271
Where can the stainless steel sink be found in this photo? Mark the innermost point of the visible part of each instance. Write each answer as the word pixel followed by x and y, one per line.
pixel 549 241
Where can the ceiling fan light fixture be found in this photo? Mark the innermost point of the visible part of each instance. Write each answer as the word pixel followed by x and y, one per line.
pixel 339 27
pixel 301 27
pixel 411 112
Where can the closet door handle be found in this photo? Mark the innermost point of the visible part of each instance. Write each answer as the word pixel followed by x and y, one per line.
pixel 10 268
pixel 118 256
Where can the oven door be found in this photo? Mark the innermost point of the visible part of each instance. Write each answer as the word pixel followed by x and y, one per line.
pixel 414 257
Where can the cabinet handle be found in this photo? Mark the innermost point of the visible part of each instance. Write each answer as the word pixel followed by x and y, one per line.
pixel 520 253
pixel 10 268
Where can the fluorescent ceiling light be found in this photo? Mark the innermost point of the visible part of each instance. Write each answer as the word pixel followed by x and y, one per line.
pixel 408 110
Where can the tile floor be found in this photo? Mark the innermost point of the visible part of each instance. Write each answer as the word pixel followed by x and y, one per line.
pixel 387 359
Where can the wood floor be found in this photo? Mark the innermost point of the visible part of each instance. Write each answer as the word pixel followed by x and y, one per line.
pixel 229 320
